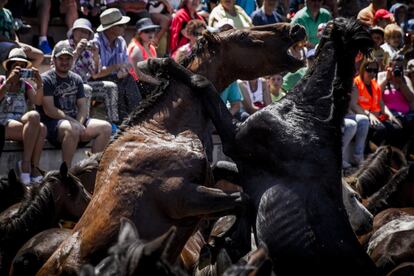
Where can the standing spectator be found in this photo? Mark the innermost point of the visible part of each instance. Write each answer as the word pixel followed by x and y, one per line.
pixel 383 18
pixel 139 49
pixel 393 35
pixel 192 31
pixel 267 14
pixel 9 39
pixel 366 15
pixel 310 17
pixel 255 94
pixel 87 65
pixel 380 55
pixel 275 87
pixel 228 9
pixel 114 59
pixel 45 8
pixel 187 12
pixel 64 108
pixel 21 124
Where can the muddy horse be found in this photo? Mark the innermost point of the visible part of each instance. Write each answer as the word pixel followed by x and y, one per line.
pixel 289 158
pixel 156 172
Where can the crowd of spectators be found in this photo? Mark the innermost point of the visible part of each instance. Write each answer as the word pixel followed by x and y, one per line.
pixel 96 63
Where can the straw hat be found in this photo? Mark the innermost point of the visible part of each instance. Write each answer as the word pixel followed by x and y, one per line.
pixel 17 54
pixel 111 17
pixel 81 23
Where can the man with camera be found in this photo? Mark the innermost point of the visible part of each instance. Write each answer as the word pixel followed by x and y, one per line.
pixel 64 108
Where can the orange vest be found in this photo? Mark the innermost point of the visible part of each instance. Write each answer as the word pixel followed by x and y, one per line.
pixel 365 99
pixel 135 43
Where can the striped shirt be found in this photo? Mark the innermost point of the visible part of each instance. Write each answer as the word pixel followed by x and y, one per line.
pixel 110 56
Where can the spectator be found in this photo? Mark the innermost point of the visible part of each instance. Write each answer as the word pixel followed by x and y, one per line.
pixel 114 59
pixel 64 108
pixel 383 18
pixel 232 97
pixel 163 18
pixel 228 9
pixel 295 6
pixel 249 6
pixel 45 7
pixel 140 48
pixel 192 31
pixel 382 57
pixel 275 84
pixel 367 99
pixel 21 124
pixel 187 12
pixel 87 65
pixel 410 81
pixel 399 11
pixel 291 79
pixel 255 94
pixel 408 49
pixel 267 14
pixel 366 15
pixel 310 17
pixel 9 40
pixel 393 35
pixel 91 9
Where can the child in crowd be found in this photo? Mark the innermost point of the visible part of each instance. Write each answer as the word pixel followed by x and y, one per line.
pixel 21 124
pixel 393 35
pixel 192 31
pixel 380 55
pixel 275 87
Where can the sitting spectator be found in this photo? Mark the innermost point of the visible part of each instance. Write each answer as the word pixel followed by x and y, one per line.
pixel 275 87
pixel 310 17
pixel 45 8
pixel 393 35
pixel 64 108
pixel 139 49
pixel 114 60
pixel 87 65
pixel 232 97
pixel 255 94
pixel 399 11
pixel 366 15
pixel 9 39
pixel 383 18
pixel 21 124
pixel 267 14
pixel 382 57
pixel 228 9
pixel 384 126
pixel 192 31
pixel 187 12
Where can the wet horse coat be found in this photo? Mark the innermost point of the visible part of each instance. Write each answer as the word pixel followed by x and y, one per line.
pixel 154 172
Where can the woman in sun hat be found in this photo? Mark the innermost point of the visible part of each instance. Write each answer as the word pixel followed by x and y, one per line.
pixel 16 95
pixel 87 64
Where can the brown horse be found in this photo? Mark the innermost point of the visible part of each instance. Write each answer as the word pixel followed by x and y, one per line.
pixel 156 172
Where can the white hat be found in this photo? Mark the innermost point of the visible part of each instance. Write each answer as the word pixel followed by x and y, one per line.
pixel 17 54
pixel 81 23
pixel 111 17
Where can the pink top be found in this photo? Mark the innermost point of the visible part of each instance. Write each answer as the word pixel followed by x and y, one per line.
pixel 395 100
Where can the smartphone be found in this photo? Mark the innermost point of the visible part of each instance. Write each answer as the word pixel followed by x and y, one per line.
pixel 26 73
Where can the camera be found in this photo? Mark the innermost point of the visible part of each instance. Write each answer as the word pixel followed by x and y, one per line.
pixel 26 73
pixel 397 71
pixel 89 45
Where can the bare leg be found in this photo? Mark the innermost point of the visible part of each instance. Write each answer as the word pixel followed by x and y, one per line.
pixel 69 137
pixel 31 131
pixel 37 152
pixel 164 21
pixel 44 15
pixel 69 7
pixel 100 132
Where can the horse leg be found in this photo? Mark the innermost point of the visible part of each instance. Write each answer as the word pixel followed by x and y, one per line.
pixel 195 200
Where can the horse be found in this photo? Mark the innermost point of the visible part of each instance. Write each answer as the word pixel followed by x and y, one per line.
pixel 86 170
pixel 11 190
pixel 377 170
pixel 257 263
pixel 156 172
pixel 59 196
pixel 289 159
pixel 133 256
pixel 397 193
pixel 359 217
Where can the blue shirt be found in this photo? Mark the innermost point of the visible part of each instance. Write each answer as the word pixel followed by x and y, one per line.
pixel 260 18
pixel 248 5
pixel 231 94
pixel 110 56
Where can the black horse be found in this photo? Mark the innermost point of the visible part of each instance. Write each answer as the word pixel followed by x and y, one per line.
pixel 289 159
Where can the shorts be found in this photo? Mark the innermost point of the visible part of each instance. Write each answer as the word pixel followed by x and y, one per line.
pixel 52 126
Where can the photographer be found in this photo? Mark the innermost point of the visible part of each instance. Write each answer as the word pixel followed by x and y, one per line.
pixel 87 65
pixel 21 124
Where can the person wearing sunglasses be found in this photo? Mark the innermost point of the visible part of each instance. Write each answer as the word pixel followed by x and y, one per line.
pixel 192 31
pixel 367 100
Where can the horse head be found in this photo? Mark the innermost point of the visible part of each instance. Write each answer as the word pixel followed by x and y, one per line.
pixel 255 52
pixel 70 196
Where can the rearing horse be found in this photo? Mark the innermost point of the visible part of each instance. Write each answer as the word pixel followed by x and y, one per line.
pixel 156 172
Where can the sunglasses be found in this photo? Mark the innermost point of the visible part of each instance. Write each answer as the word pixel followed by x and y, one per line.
pixel 371 70
pixel 148 31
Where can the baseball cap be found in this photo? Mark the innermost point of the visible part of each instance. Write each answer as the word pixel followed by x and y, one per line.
pixel 62 48
pixel 382 14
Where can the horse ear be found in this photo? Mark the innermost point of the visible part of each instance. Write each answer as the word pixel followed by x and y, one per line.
pixel 63 170
pixel 127 232
pixel 158 248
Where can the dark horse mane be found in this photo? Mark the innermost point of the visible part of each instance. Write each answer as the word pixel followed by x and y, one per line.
pixel 11 190
pixel 381 199
pixel 376 170
pixel 35 212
